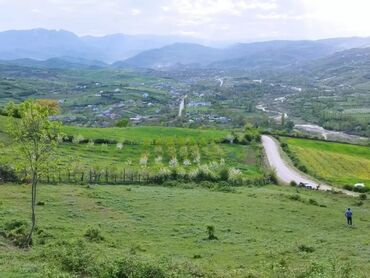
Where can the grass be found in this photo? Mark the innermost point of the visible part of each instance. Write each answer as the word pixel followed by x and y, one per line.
pixel 340 164
pixel 257 228
pixel 169 142
pixel 142 134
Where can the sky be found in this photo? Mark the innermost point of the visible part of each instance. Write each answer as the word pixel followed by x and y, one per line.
pixel 217 20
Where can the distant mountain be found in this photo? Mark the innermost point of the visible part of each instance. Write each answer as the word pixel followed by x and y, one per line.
pixel 175 54
pixel 348 67
pixel 59 48
pixel 56 63
pixel 273 54
pixel 259 55
pixel 42 44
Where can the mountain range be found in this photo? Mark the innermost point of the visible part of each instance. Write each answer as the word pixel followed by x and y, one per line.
pixel 63 49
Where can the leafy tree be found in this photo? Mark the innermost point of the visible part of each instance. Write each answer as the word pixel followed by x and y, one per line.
pixel 123 123
pixel 35 138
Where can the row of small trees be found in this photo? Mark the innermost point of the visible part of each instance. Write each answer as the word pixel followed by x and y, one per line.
pixel 212 172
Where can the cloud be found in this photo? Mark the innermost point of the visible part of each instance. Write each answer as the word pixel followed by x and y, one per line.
pixel 135 12
pixel 236 20
pixel 199 8
pixel 276 16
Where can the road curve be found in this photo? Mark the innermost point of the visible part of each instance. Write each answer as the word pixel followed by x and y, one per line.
pixel 286 173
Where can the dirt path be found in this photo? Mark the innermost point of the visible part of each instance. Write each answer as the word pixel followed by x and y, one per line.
pixel 286 173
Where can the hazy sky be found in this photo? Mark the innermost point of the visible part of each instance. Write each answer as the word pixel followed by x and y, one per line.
pixel 236 20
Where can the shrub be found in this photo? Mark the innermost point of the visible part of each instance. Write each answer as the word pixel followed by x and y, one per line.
pixel 105 141
pixel 171 183
pixel 15 231
pixel 235 176
pixel 42 236
pixel 135 267
pixel 295 197
pixel 348 187
pixel 162 175
pixel 73 257
pixel 205 173
pixel 271 177
pixel 211 233
pixel 302 168
pixel 7 174
pixel 361 189
pixel 225 187
pixel 363 196
pixel 313 202
pixel 224 174
pixel 293 183
pixel 305 248
pixel 122 122
pixel 93 234
pixel 207 184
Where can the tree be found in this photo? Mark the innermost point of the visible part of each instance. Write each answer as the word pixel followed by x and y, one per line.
pixel 123 122
pixel 283 119
pixel 35 138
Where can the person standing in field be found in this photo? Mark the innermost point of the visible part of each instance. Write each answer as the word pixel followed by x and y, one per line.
pixel 348 215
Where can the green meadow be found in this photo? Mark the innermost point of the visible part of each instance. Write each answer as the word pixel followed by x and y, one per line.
pixel 265 231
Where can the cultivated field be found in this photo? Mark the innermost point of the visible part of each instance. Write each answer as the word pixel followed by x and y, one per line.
pixel 143 152
pixel 262 231
pixel 340 164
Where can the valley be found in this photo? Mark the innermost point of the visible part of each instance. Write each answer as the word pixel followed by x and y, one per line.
pixel 162 156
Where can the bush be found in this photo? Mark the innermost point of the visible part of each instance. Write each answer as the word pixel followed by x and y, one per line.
pixel 293 183
pixel 225 187
pixel 295 197
pixel 361 189
pixel 348 187
pixel 302 168
pixel 224 174
pixel 15 231
pixel 135 267
pixel 73 257
pixel 171 183
pixel 271 177
pixel 7 174
pixel 306 249
pixel 93 234
pixel 313 202
pixel 363 196
pixel 211 233
pixel 42 236
pixel 105 141
pixel 207 184
pixel 123 122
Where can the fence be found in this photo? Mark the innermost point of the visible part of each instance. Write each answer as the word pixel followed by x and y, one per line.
pixel 97 177
pixel 135 176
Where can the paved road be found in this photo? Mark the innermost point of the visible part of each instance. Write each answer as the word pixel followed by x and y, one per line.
pixel 286 173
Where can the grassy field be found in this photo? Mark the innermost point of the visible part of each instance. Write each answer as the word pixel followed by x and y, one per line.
pixel 147 134
pixel 151 143
pixel 266 232
pixel 340 164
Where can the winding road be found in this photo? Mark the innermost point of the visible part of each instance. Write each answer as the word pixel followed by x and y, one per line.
pixel 286 173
